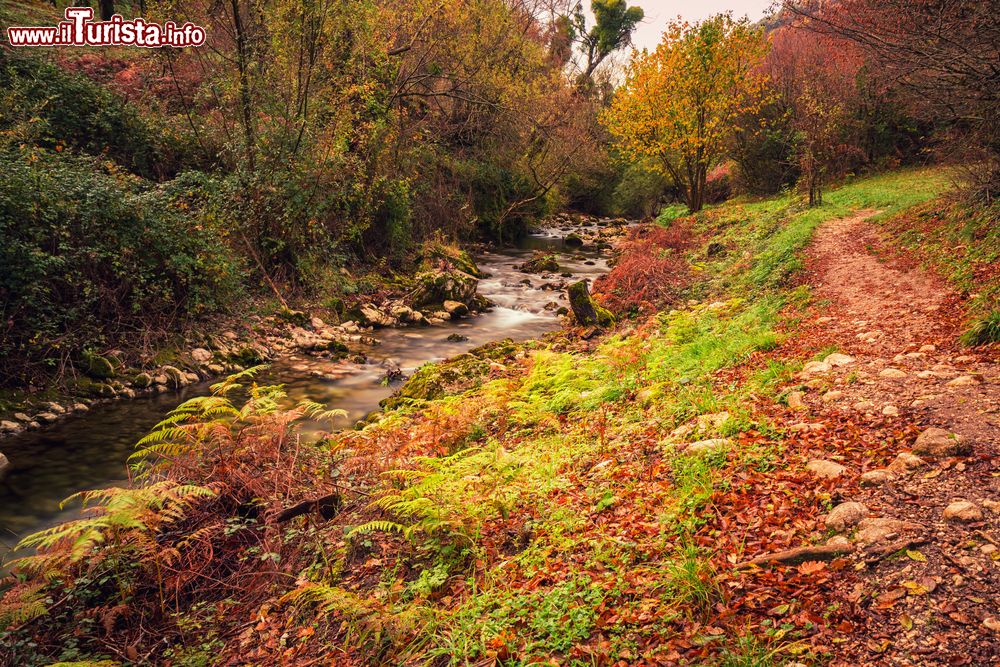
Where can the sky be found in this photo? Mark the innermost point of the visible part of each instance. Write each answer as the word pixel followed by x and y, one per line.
pixel 659 12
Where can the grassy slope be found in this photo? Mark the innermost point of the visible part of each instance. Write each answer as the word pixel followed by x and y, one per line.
pixel 572 453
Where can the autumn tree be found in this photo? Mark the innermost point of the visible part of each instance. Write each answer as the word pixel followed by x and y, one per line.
pixel 677 107
pixel 944 54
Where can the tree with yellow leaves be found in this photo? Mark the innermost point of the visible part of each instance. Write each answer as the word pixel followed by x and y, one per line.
pixel 676 110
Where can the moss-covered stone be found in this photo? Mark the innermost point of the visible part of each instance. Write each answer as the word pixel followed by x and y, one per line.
pixel 438 287
pixel 248 356
pixel 461 373
pixel 540 264
pixel 586 311
pixel 96 366
pixel 297 317
pixel 573 241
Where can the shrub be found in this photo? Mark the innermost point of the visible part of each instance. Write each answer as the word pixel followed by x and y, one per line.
pixel 651 271
pixel 90 254
pixel 44 105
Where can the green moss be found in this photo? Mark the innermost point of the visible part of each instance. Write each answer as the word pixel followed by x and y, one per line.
pixel 96 366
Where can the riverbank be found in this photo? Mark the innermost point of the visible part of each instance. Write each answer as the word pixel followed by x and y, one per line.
pixel 88 449
pixel 442 288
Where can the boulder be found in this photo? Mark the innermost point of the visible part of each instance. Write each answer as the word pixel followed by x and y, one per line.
pixel 201 355
pixel 846 515
pixel 370 316
pixel 455 308
pixel 586 311
pixel 96 366
pixel 142 380
pixel 540 264
pixel 573 241
pixel 940 443
pixel 438 287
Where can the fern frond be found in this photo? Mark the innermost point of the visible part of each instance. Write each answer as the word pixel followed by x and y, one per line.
pixel 377 526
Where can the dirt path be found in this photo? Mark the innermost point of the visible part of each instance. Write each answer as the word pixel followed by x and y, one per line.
pixel 926 585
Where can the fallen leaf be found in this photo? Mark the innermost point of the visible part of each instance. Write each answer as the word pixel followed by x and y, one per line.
pixel 913 554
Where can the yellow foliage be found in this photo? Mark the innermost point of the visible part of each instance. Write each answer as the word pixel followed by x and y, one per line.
pixel 677 108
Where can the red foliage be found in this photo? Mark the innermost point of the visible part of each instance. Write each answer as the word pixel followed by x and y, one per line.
pixel 651 271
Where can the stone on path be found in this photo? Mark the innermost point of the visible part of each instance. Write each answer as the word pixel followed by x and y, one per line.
pixel 825 469
pixel 906 462
pixel 846 515
pixel 837 359
pixel 962 511
pixel 893 373
pixel 877 477
pixel 964 381
pixel 831 396
pixel 940 443
pixel 880 529
pixel 890 411
pixel 796 400
pixel 816 367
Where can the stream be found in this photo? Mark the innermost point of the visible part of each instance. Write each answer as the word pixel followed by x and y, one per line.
pixel 89 450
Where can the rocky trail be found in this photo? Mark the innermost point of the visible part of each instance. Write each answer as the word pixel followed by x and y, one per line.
pixel 920 521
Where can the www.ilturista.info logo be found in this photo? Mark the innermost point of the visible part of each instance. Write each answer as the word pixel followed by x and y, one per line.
pixel 79 30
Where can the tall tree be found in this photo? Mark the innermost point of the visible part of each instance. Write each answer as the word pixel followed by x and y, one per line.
pixel 679 103
pixel 614 23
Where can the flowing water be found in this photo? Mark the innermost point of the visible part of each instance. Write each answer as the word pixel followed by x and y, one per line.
pixel 89 450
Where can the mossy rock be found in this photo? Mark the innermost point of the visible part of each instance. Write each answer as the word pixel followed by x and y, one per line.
pixel 248 356
pixel 96 366
pixel 457 258
pixel 89 388
pixel 296 317
pixel 438 287
pixel 573 241
pixel 586 311
pixel 540 264
pixel 142 380
pixel 456 375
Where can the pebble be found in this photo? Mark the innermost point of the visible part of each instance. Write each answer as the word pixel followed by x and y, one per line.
pixel 796 400
pixel 893 373
pixel 890 411
pixel 831 396
pixel 963 381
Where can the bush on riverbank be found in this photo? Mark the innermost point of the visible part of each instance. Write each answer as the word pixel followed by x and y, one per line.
pixel 91 254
